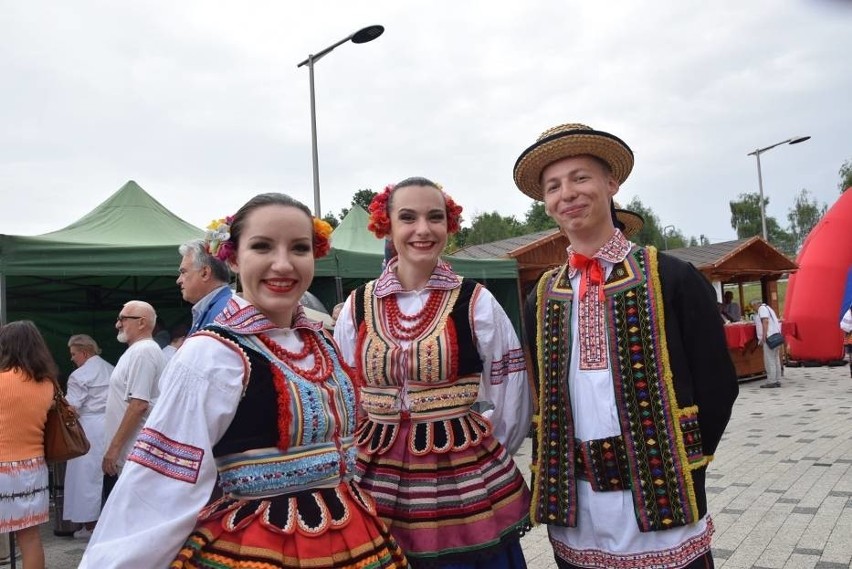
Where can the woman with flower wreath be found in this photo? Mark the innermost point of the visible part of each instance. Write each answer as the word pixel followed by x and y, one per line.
pixel 261 397
pixel 445 396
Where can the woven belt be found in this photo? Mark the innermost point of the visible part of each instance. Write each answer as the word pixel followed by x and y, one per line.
pixel 602 463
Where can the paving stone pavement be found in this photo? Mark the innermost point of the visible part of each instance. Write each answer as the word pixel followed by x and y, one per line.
pixel 779 489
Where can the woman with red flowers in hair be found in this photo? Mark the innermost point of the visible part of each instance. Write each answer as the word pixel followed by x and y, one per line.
pixel 444 392
pixel 261 397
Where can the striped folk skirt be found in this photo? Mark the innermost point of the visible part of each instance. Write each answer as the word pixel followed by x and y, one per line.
pixel 449 492
pixel 24 496
pixel 321 529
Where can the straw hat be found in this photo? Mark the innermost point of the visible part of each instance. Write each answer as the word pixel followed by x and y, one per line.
pixel 568 140
pixel 632 221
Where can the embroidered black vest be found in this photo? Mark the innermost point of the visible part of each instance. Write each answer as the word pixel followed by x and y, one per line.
pixel 662 440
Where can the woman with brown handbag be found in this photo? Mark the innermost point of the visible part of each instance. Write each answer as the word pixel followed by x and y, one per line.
pixel 27 372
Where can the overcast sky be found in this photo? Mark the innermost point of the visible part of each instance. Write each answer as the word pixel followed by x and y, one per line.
pixel 201 102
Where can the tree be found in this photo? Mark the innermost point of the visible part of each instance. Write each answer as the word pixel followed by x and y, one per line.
pixel 699 241
pixel 361 198
pixel 332 220
pixel 845 176
pixel 803 216
pixel 488 227
pixel 745 219
pixel 537 219
pixel 650 233
pixel 745 215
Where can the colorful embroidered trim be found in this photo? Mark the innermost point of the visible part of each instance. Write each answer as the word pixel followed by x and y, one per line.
pixel 677 556
pixel 247 319
pixel 512 362
pixel 270 471
pixel 603 464
pixel 168 457
pixel 443 278
pixel 554 485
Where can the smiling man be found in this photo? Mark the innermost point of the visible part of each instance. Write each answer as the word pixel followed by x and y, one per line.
pixel 634 380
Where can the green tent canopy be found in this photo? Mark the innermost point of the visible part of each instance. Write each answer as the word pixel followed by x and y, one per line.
pixel 76 279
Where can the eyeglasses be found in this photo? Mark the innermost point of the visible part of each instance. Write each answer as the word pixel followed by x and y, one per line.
pixel 122 318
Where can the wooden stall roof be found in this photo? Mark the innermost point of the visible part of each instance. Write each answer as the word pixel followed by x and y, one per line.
pixel 535 252
pixel 742 260
pixel 511 247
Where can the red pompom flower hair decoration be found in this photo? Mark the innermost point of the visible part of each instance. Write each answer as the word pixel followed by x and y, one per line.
pixel 380 223
pixel 322 237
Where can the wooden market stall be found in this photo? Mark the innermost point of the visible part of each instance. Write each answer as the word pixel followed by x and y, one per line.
pixel 736 263
pixel 535 253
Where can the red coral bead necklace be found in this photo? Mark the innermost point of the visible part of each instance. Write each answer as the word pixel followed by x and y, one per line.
pixel 408 327
pixel 322 368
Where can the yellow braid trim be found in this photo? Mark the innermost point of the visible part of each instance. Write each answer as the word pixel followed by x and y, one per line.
pixel 668 380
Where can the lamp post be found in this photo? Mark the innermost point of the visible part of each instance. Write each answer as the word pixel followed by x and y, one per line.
pixel 756 154
pixel 666 236
pixel 361 36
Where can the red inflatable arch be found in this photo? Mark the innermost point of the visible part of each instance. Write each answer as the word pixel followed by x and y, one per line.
pixel 815 291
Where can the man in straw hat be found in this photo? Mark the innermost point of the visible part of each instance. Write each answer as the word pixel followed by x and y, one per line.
pixel 634 379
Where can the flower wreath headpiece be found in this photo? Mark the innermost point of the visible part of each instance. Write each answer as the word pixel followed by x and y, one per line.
pixel 218 241
pixel 380 223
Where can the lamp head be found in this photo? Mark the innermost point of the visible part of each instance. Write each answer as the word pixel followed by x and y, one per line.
pixel 367 34
pixel 798 139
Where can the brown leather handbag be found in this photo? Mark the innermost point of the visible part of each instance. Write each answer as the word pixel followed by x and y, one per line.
pixel 64 437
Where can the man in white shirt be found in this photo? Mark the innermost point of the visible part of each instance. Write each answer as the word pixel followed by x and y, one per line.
pixel 133 386
pixel 766 322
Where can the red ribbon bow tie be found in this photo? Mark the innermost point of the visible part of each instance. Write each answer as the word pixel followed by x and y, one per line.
pixel 591 272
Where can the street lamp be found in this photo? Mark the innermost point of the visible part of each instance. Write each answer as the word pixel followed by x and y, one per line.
pixel 666 236
pixel 361 36
pixel 756 154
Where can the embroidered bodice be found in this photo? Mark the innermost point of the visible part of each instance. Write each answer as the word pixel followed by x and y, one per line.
pixel 289 433
pixel 433 374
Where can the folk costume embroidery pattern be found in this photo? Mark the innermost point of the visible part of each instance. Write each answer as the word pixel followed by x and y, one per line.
pixel 662 442
pixel 679 555
pixel 591 319
pixel 429 357
pixel 166 456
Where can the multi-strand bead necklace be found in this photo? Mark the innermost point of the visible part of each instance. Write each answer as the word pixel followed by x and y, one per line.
pixel 311 344
pixel 408 327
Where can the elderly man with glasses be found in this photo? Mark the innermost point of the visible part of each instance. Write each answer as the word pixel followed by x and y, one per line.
pixel 132 386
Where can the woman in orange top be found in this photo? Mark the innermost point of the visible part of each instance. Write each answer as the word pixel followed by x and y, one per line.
pixel 26 393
